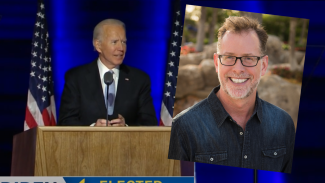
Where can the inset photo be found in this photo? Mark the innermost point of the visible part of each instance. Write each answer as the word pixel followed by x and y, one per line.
pixel 238 89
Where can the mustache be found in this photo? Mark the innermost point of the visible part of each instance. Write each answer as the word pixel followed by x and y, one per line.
pixel 241 75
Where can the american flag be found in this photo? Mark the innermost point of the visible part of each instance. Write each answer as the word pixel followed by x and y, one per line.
pixel 40 110
pixel 167 106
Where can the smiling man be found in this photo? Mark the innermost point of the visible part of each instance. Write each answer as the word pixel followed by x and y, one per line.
pixel 84 100
pixel 233 126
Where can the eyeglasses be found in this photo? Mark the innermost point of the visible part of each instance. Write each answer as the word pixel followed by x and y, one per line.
pixel 247 61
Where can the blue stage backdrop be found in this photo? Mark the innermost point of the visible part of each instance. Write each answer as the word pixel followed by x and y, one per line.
pixel 148 24
pixel 71 24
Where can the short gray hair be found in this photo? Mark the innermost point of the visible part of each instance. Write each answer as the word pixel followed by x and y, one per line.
pixel 241 24
pixel 99 27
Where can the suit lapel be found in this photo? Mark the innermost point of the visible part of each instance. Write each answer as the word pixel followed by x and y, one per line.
pixel 95 86
pixel 122 87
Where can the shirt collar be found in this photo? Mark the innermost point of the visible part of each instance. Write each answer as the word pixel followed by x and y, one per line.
pixel 219 112
pixel 103 69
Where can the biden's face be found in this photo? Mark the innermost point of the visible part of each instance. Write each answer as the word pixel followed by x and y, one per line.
pixel 239 81
pixel 112 45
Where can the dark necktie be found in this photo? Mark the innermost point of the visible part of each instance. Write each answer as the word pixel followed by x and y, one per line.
pixel 111 96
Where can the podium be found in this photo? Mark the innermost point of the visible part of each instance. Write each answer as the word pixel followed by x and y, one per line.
pixel 93 151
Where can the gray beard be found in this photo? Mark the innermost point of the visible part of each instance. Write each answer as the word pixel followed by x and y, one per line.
pixel 233 95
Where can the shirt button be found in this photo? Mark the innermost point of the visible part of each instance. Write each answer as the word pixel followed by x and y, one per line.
pixel 241 133
pixel 245 157
pixel 211 159
pixel 275 153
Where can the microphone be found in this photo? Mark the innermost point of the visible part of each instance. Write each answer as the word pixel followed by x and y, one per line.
pixel 108 80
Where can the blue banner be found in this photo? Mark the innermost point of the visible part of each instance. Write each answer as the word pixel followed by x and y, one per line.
pixel 96 179
pixel 129 179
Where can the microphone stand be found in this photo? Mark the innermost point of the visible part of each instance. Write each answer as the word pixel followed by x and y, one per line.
pixel 107 105
pixel 255 176
pixel 108 80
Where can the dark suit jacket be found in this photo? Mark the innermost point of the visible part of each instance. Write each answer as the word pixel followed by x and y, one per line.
pixel 82 101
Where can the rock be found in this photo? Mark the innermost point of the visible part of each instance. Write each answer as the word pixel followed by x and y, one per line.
pixel 274 50
pixel 209 73
pixel 196 58
pixel 210 50
pixel 191 58
pixel 281 93
pixel 184 103
pixel 279 56
pixel 189 79
pixel 203 93
pixel 302 63
pixel 298 54
pixel 285 65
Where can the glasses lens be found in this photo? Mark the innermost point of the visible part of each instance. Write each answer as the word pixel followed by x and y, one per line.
pixel 228 60
pixel 249 61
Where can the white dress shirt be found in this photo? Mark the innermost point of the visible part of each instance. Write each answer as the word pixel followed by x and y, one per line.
pixel 102 70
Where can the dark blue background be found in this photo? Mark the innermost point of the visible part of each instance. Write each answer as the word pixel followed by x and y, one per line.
pixel 148 24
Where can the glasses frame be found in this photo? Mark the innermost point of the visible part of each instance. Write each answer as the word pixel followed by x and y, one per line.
pixel 258 59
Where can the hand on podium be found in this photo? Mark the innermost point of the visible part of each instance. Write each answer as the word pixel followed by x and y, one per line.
pixel 120 121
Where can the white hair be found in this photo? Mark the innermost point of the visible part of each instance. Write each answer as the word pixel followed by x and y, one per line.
pixel 98 30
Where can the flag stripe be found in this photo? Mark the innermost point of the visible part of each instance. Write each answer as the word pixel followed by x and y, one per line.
pixel 46 117
pixel 53 111
pixel 33 110
pixel 165 116
pixel 53 121
pixel 167 106
pixel 29 120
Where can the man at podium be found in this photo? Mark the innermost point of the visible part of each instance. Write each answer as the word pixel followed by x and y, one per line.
pixel 87 98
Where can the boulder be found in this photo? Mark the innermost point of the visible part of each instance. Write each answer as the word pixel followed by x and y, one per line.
pixel 191 58
pixel 189 79
pixel 184 103
pixel 298 54
pixel 208 70
pixel 203 93
pixel 276 53
pixel 285 65
pixel 279 92
pixel 196 58
pixel 274 50
pixel 210 50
